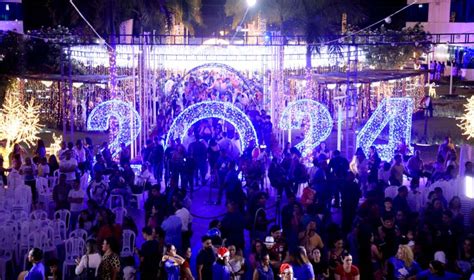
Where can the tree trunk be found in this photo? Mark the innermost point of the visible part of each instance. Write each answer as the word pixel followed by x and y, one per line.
pixel 308 57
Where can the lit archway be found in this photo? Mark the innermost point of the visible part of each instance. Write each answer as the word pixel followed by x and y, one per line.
pixel 213 109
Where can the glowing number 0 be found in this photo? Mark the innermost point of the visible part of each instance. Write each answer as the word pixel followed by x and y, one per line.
pixel 320 122
pixel 397 113
pixel 128 118
pixel 213 109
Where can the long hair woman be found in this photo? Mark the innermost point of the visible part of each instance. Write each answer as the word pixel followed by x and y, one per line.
pixel 302 267
pixel 109 267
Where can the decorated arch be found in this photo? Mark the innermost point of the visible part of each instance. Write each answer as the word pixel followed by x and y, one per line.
pixel 213 109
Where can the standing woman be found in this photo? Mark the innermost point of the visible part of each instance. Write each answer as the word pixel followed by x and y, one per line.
pixel 90 262
pixel 40 149
pixel 302 267
pixel 172 262
pixel 185 267
pixel 263 270
pixel 347 271
pixel 237 263
pixel 109 267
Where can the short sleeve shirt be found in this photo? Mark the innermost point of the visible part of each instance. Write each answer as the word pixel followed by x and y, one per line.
pixel 347 275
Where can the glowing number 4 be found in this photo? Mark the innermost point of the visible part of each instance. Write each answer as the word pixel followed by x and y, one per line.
pixel 128 119
pixel 320 122
pixel 397 113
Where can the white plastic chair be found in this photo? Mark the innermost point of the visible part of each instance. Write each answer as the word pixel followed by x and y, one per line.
pixel 38 215
pixel 60 231
pixel 25 230
pixel 84 181
pixel 140 197
pixel 7 249
pixel 74 248
pixel 120 213
pixel 63 215
pixel 128 243
pixel 19 215
pixel 39 224
pixel 79 233
pixel 36 239
pixel 22 199
pixel 5 216
pixel 49 243
pixel 44 193
pixel 116 200
pixel 55 178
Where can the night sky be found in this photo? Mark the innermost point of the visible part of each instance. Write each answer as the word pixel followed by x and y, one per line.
pixel 37 15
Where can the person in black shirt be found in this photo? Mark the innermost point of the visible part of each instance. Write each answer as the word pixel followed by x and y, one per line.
pixel 156 159
pixel 149 255
pixel 338 167
pixel 205 259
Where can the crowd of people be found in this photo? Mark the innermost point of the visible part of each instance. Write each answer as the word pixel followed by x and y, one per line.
pixel 397 220
pixel 335 218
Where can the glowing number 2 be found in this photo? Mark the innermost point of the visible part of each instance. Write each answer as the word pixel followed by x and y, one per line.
pixel 320 122
pixel 397 113
pixel 128 118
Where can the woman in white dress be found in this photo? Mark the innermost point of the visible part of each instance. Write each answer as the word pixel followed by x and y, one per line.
pixel 236 263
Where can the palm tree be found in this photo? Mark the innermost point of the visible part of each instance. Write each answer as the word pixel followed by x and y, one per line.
pixel 312 19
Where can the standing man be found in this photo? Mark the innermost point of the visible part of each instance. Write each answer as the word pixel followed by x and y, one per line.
pixel 205 259
pixel 37 271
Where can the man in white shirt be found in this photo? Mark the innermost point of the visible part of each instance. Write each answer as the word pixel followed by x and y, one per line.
pixel 145 177
pixel 80 152
pixel 68 166
pixel 76 200
pixel 391 191
pixel 62 153
pixel 186 220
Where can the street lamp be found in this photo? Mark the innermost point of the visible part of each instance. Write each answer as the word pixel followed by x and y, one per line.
pixel 251 3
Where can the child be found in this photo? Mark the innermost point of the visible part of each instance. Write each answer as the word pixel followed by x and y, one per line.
pixel 129 270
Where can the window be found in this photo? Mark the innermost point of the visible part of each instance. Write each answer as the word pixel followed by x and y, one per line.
pixel 11 11
pixel 462 11
pixel 417 13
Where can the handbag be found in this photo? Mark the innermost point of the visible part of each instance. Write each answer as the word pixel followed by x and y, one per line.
pixel 88 273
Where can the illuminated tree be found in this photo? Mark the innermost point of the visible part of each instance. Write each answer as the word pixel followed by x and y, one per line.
pixel 19 123
pixel 55 146
pixel 467 121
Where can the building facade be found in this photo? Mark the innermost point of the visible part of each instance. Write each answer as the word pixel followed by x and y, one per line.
pixel 447 16
pixel 11 15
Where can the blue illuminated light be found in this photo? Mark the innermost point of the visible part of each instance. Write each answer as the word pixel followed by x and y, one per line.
pixel 213 109
pixel 397 113
pixel 320 122
pixel 128 120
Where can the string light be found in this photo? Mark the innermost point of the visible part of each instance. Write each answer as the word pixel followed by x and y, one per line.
pixel 129 122
pixel 320 122
pixel 467 120
pixel 18 123
pixel 213 109
pixel 55 146
pixel 397 113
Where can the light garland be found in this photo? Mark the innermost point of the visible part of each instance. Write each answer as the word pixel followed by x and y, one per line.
pixel 18 123
pixel 213 109
pixel 397 113
pixel 320 122
pixel 55 146
pixel 184 57
pixel 129 122
pixel 467 120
